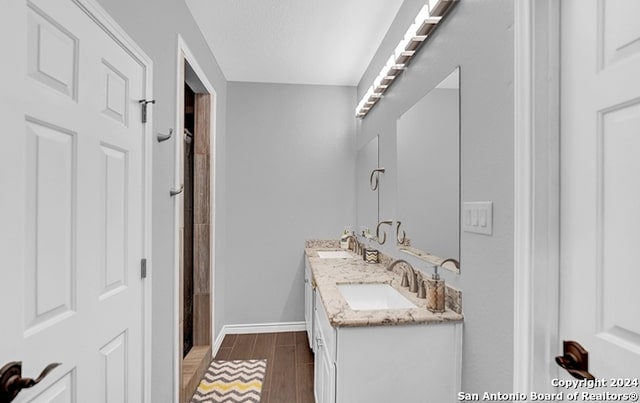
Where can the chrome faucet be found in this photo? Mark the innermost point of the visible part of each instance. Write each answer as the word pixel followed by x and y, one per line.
pixel 422 290
pixel 356 248
pixel 409 277
pixel 454 261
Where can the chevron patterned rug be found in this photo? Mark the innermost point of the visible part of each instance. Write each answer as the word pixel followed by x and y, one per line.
pixel 231 382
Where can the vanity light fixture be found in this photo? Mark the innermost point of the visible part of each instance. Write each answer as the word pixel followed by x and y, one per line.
pixel 425 23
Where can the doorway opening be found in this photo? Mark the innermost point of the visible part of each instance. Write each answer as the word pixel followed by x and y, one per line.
pixel 195 228
pixel 187 208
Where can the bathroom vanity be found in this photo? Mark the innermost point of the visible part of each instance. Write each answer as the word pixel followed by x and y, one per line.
pixel 369 346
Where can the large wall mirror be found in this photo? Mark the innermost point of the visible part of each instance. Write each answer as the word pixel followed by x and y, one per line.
pixel 367 198
pixel 428 137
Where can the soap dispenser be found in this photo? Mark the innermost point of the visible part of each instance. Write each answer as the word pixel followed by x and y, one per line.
pixel 435 292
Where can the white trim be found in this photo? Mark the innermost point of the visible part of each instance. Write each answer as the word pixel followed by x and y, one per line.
pixel 523 231
pixel 212 177
pixel 536 198
pixel 113 29
pixel 257 328
pixel 148 231
pixel 183 51
pixel 176 233
pixel 457 367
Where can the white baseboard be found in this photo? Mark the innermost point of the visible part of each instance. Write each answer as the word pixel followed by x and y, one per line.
pixel 257 328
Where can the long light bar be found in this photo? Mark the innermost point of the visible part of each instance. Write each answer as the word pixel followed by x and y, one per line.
pixel 425 23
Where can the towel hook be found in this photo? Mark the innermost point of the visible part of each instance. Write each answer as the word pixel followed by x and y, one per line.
pixel 384 234
pixel 164 137
pixel 143 103
pixel 373 182
pixel 175 192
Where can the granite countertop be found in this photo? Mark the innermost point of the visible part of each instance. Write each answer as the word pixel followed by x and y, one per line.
pixel 328 273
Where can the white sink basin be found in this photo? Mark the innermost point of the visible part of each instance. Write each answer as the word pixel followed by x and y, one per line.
pixel 366 297
pixel 334 254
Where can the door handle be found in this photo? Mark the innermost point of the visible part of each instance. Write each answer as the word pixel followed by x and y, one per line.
pixel 12 382
pixel 575 360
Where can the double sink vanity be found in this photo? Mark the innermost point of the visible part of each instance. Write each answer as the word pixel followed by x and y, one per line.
pixel 374 340
pixel 368 324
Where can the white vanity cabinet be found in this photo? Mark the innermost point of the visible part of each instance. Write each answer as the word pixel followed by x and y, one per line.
pixel 325 355
pixel 309 302
pixel 408 363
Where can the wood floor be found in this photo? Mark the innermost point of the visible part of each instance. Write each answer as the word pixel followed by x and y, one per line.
pixel 289 376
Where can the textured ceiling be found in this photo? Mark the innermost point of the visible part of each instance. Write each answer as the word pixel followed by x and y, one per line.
pixel 327 42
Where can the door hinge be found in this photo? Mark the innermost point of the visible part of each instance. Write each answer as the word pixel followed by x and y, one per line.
pixel 143 103
pixel 143 268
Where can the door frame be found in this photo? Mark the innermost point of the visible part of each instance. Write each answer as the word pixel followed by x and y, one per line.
pixel 184 54
pixel 536 193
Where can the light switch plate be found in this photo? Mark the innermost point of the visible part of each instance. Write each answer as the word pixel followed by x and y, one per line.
pixel 477 217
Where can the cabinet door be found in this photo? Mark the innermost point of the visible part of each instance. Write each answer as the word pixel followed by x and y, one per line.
pixel 328 378
pixel 324 384
pixel 317 366
pixel 325 373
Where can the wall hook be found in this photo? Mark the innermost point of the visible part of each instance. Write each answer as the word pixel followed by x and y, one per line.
pixel 164 137
pixel 175 192
pixel 384 234
pixel 373 179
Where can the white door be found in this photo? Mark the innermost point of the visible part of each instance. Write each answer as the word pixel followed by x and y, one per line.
pixel 600 184
pixel 72 209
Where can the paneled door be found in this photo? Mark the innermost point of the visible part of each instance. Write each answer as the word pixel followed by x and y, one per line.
pixel 73 212
pixel 600 185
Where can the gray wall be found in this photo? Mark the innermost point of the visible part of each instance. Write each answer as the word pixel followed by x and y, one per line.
pixel 478 37
pixel 290 177
pixel 154 27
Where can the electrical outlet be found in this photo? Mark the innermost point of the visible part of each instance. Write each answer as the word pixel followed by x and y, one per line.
pixel 477 217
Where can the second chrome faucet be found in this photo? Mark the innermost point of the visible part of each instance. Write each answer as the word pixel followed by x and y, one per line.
pixel 409 276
